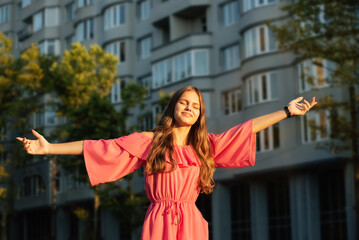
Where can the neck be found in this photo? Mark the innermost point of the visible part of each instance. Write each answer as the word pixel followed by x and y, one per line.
pixel 180 135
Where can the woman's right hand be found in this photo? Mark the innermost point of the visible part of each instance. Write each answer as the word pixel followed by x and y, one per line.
pixel 35 147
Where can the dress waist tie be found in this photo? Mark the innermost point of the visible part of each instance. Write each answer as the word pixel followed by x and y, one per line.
pixel 173 208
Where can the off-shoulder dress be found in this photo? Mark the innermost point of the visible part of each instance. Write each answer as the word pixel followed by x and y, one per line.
pixel 172 213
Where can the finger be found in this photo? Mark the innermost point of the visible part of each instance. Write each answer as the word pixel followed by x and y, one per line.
pixel 299 99
pixel 307 103
pixel 313 102
pixel 20 139
pixel 36 134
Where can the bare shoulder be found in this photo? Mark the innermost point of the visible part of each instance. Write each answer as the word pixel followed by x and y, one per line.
pixel 148 134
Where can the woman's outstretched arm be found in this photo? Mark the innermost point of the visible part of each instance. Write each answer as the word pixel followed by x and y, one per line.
pixel 42 146
pixel 295 107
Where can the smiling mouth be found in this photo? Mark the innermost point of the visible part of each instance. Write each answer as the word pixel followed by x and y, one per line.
pixel 187 114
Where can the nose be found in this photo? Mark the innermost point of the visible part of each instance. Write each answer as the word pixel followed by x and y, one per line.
pixel 188 108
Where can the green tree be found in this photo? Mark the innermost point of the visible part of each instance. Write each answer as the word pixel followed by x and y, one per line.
pixel 329 29
pixel 20 82
pixel 82 81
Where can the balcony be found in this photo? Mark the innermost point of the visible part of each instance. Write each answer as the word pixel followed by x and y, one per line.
pixel 25 33
pixel 195 40
pixel 183 8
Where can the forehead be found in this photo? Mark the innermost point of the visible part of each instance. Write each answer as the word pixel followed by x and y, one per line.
pixel 191 96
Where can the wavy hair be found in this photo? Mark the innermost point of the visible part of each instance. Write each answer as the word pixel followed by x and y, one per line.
pixel 162 144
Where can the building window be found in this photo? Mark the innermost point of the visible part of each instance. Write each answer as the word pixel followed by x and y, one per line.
pixel 52 17
pixel 250 4
pixel 259 40
pixel 200 62
pixel 145 47
pixel 82 3
pixel 50 116
pixel 262 88
pixel 145 122
pixel 314 74
pixel 162 73
pixel 156 113
pixel 315 126
pixel 182 66
pixel 279 214
pixel 240 212
pixel 192 63
pixel 145 10
pixel 4 14
pixel 26 3
pixel 232 102
pixel 32 186
pixel 118 49
pixel 114 16
pixel 116 91
pixel 49 46
pixel 38 20
pixel 268 139
pixel 231 58
pixel 207 101
pixel 229 13
pixel 70 11
pixel 147 83
pixel 333 219
pixel 85 30
pixel 46 18
pixel 38 119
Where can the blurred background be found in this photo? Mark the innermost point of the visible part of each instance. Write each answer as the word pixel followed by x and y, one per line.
pixel 90 69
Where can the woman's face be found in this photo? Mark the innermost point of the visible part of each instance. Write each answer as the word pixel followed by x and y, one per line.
pixel 187 109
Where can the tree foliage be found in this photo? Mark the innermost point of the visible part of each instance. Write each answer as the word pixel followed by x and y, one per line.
pixel 20 83
pixel 83 81
pixel 327 29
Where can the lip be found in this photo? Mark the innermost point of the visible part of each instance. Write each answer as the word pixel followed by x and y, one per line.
pixel 187 114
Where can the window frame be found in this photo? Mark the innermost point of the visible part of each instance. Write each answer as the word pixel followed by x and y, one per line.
pixel 247 4
pixel 121 53
pixel 315 117
pixel 145 47
pixel 5 13
pixel 268 89
pixel 228 102
pixel 303 84
pixel 114 16
pixel 168 67
pixel 144 10
pixel 228 56
pixel 267 145
pixel 38 16
pixel 259 40
pixel 229 14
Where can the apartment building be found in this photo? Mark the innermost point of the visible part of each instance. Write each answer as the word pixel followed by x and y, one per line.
pixel 226 49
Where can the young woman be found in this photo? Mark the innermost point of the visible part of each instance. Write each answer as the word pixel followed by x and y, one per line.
pixel 179 157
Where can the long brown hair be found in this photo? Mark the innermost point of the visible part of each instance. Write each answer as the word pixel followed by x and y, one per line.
pixel 162 144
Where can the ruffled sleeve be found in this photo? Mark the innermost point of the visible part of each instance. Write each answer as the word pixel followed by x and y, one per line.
pixel 109 160
pixel 235 147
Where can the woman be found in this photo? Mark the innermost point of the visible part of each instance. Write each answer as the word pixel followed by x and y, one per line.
pixel 179 157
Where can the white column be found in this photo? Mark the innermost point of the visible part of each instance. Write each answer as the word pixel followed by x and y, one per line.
pixel 221 215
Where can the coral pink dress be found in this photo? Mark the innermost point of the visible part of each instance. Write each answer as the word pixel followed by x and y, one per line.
pixel 172 213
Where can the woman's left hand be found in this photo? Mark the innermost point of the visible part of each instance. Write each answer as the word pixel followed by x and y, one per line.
pixel 296 107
